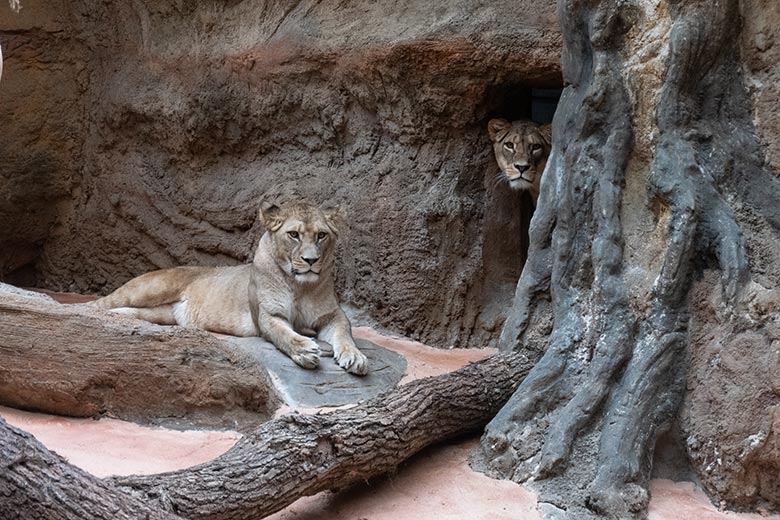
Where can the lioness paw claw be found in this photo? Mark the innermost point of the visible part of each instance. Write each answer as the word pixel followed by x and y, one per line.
pixel 309 361
pixel 353 361
pixel 307 355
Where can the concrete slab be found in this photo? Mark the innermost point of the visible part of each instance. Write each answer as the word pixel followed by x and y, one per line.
pixel 328 385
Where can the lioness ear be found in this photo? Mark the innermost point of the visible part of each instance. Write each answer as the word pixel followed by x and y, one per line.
pixel 336 218
pixel 497 129
pixel 546 132
pixel 270 216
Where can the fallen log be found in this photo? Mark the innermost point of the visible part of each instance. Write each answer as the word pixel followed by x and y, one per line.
pixel 36 483
pixel 72 360
pixel 52 355
pixel 299 455
pixel 283 460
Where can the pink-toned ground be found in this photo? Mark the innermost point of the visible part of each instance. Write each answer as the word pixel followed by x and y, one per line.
pixel 437 483
pixel 422 360
pixel 112 447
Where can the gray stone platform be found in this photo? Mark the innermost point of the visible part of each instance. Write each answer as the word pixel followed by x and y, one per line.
pixel 327 385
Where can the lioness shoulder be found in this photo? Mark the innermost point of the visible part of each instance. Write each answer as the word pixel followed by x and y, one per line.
pixel 286 291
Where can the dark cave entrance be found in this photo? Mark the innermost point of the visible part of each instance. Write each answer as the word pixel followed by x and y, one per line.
pixel 507 212
pixel 514 209
pixel 514 102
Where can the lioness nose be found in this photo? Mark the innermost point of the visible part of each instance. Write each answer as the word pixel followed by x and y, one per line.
pixel 310 261
pixel 522 167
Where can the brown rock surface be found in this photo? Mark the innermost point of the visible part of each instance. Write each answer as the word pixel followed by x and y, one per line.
pixel 762 54
pixel 731 414
pixel 140 135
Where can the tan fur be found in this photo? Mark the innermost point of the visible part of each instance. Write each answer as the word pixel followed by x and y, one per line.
pixel 521 149
pixel 278 296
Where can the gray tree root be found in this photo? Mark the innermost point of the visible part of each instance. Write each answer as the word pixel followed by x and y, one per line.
pixel 583 424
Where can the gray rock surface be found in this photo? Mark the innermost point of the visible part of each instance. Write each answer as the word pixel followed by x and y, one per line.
pixel 327 385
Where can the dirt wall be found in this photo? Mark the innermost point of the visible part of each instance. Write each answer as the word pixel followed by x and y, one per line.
pixel 165 122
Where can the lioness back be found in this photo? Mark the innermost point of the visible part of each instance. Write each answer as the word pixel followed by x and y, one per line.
pixel 209 298
pixel 218 301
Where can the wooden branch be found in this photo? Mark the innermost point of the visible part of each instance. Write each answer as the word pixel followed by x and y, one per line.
pixel 299 455
pixel 36 483
pixel 80 361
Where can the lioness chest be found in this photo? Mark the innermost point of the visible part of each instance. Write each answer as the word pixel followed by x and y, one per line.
pixel 304 308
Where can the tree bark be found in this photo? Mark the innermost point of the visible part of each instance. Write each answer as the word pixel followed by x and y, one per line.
pixel 300 455
pixel 72 360
pixel 283 460
pixel 582 426
pixel 36 483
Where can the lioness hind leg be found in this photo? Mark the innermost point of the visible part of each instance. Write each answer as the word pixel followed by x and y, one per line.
pixel 162 314
pixel 153 289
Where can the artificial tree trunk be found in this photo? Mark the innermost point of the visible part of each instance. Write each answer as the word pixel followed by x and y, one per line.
pixel 653 149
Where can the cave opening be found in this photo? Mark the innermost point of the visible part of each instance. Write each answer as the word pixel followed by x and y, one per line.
pixel 517 101
pixel 508 212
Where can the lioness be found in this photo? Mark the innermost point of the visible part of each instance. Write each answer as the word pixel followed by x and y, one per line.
pixel 521 149
pixel 287 289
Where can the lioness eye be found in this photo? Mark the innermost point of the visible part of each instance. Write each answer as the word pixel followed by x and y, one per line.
pixel 321 235
pixel 536 146
pixel 509 146
pixel 293 234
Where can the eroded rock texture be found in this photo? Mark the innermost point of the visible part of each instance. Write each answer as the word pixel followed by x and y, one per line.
pixel 729 418
pixel 654 247
pixel 140 135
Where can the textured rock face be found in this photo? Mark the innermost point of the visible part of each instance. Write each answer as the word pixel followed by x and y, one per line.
pixel 730 417
pixel 140 135
pixel 761 54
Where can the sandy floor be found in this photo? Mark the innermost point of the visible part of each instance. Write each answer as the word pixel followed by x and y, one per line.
pixel 436 484
pixel 111 447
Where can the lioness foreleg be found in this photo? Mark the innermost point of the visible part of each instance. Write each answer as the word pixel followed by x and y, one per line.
pixel 338 333
pixel 304 351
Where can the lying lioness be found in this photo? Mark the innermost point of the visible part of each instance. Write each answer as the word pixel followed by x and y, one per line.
pixel 287 289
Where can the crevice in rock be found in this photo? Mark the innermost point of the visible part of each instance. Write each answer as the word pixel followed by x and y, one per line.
pixel 508 212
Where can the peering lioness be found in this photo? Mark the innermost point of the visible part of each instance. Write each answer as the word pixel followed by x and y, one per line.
pixel 287 289
pixel 521 149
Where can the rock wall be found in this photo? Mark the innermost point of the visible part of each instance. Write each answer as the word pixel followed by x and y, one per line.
pixel 141 135
pixel 731 414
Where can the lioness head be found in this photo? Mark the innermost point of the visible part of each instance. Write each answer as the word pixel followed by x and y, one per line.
pixel 521 149
pixel 302 238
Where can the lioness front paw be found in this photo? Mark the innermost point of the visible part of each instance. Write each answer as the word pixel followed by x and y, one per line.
pixel 306 354
pixel 351 360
